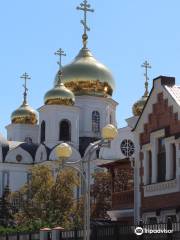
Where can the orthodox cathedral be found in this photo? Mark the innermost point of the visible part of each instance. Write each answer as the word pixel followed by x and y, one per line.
pixel 75 110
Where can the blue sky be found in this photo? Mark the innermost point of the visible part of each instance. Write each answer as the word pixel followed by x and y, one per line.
pixel 123 34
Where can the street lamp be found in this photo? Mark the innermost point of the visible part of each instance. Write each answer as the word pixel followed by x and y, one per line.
pixel 109 132
pixel 64 151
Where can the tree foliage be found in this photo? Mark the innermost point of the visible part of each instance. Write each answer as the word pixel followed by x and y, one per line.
pixel 101 195
pixel 47 200
pixel 6 217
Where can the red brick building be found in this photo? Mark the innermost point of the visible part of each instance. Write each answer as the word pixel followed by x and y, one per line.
pixel 157 159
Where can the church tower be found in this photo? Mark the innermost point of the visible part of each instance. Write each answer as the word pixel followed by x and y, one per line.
pixel 92 84
pixel 59 118
pixel 23 127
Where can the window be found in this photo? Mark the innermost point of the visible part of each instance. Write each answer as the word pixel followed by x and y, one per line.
pixel 43 131
pixel 29 177
pixel 127 147
pixel 161 160
pixel 5 180
pixel 95 122
pixel 150 167
pixel 172 217
pixel 152 220
pixel 18 158
pixel 174 160
pixel 110 119
pixel 65 131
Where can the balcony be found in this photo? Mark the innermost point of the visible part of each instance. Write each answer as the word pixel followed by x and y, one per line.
pixel 161 188
pixel 123 200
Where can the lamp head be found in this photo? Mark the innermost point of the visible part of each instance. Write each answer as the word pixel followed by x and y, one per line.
pixel 109 132
pixel 63 150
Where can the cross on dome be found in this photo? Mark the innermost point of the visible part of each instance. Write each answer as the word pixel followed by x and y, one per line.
pixel 85 7
pixel 60 53
pixel 147 66
pixel 26 77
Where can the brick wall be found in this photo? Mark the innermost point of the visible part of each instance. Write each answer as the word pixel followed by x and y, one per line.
pixel 161 117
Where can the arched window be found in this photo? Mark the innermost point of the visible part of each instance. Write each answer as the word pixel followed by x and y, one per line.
pixel 95 122
pixel 43 131
pixel 110 119
pixel 65 131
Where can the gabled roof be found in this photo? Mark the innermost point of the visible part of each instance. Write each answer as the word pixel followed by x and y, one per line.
pixel 168 84
pixel 174 91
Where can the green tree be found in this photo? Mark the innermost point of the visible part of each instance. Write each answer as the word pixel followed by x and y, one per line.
pixel 46 200
pixel 6 218
pixel 101 195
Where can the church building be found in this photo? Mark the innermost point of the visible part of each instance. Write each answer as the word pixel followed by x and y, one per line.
pixel 75 110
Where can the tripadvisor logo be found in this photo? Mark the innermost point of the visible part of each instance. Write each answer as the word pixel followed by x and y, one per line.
pixel 138 231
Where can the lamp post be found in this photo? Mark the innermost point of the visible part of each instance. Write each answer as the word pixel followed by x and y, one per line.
pixel 64 151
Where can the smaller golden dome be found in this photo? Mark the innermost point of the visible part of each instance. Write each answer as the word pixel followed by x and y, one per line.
pixel 59 95
pixel 24 115
pixel 139 105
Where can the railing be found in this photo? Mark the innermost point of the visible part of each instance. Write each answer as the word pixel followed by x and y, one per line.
pixel 111 231
pixel 161 188
pixel 20 236
pixel 123 199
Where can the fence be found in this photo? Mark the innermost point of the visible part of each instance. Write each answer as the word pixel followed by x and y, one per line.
pixel 112 231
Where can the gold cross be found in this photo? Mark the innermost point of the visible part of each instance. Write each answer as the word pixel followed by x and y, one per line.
pixel 60 53
pixel 147 66
pixel 85 7
pixel 26 77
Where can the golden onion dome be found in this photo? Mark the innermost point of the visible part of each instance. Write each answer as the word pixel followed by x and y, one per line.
pixel 24 115
pixel 59 95
pixel 139 105
pixel 87 76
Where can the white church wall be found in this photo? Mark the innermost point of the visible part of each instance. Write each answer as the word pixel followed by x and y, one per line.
pixel 12 156
pixel 41 154
pixel 21 132
pixel 115 152
pixel 88 104
pixel 53 115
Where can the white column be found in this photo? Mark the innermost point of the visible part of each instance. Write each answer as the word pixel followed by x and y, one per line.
pixel 154 159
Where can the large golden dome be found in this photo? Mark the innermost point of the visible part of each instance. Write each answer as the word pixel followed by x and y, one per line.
pixel 86 76
pixel 59 95
pixel 24 115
